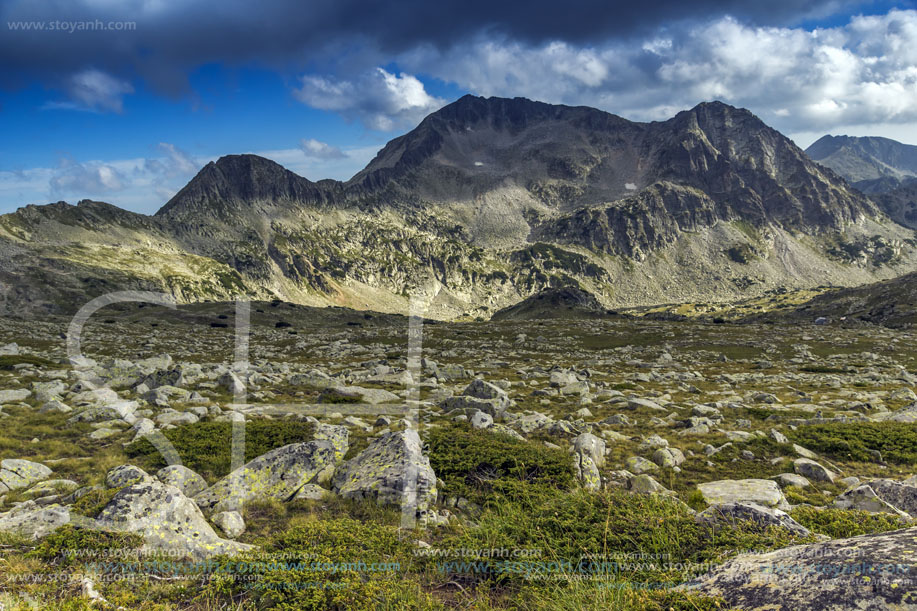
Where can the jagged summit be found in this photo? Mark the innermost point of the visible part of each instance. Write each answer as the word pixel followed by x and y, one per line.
pixel 237 180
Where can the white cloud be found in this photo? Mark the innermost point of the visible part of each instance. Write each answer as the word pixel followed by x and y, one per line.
pixel 379 99
pixel 342 167
pixel 91 177
pixel 175 163
pixel 796 79
pixel 145 184
pixel 96 90
pixel 320 150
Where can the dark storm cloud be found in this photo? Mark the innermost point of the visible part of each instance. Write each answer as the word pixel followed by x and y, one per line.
pixel 171 38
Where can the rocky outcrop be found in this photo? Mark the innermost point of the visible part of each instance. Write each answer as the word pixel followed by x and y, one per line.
pixel 275 475
pixel 874 572
pixel 183 478
pixel 391 471
pixel 881 495
pixel 481 396
pixel 31 520
pixel 491 200
pixel 761 491
pixel 739 514
pixel 166 519
pixel 16 473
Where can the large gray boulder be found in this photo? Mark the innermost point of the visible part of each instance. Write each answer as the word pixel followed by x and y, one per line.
pixel 868 573
pixel 586 471
pixel 230 522
pixel 183 478
pixel 30 520
pixel 14 396
pixel 589 445
pixel 167 520
pixel 338 435
pixel 735 514
pixel 16 473
pixel 391 471
pixel 812 470
pixel 897 494
pixel 480 395
pixel 275 475
pixel 881 495
pixel 668 457
pixel 125 475
pixel 761 491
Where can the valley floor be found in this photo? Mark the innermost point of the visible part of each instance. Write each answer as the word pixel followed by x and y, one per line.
pixel 579 464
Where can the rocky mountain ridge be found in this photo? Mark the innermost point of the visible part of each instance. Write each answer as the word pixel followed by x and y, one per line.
pixel 486 202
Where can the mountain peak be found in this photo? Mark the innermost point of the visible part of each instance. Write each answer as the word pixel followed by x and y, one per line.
pixel 237 181
pixel 865 158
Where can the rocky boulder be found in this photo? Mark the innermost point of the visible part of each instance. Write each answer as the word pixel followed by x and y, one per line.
pixel 16 473
pixel 125 475
pixel 391 471
pixel 874 572
pixel 338 435
pixel 761 491
pixel 30 520
pixel 167 520
pixel 275 475
pixel 881 495
pixel 183 478
pixel 735 514
pixel 480 395
pixel 812 470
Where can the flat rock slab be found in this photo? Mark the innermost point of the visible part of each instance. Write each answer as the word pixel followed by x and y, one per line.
pixel 30 520
pixel 761 491
pixel 14 396
pixel 16 473
pixel 275 475
pixel 868 573
pixel 735 514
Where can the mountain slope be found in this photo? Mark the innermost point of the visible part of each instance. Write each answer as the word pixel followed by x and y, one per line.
pixel 892 303
pixel 882 168
pixel 865 158
pixel 522 160
pixel 486 202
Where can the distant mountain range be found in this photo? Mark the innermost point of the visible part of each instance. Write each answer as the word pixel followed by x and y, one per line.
pixel 485 203
pixel 880 167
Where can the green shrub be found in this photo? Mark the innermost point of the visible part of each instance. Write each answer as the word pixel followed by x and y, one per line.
pixel 328 564
pixel 60 545
pixel 858 441
pixel 205 447
pixel 576 525
pixel 843 523
pixel 9 362
pixel 471 461
pixel 94 501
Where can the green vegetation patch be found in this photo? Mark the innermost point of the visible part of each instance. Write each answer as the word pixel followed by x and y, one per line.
pixel 859 441
pixel 471 461
pixel 205 447
pixel 337 563
pixel 595 533
pixel 843 523
pixel 70 545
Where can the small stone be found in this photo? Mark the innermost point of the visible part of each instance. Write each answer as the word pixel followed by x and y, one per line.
pixel 230 522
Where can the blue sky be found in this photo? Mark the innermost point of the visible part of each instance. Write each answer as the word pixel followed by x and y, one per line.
pixel 129 113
